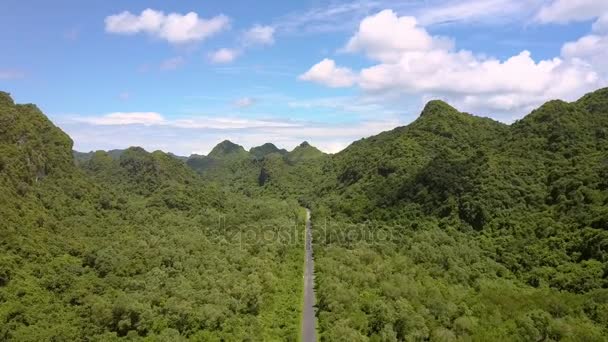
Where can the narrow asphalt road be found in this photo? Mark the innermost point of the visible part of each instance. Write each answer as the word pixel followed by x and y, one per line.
pixel 308 316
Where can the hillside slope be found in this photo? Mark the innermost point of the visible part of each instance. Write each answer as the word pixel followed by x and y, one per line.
pixel 457 227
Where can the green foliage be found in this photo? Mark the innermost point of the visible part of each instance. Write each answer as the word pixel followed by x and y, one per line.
pixel 136 246
pixel 259 152
pixel 303 152
pixel 453 228
pixel 496 232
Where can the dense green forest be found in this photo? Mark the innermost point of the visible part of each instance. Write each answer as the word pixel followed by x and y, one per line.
pixel 135 245
pixel 461 228
pixel 453 228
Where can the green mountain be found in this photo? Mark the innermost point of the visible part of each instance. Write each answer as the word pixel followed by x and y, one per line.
pixel 221 156
pixel 262 151
pixel 228 149
pixel 416 213
pixel 304 151
pixel 81 157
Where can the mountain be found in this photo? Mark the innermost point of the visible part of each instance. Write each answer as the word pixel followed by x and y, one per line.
pixel 452 163
pixel 304 151
pixel 451 194
pixel 222 155
pixel 32 147
pixel 86 156
pixel 115 154
pixel 228 149
pixel 265 170
pixel 262 151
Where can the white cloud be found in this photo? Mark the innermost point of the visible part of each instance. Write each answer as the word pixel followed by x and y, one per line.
pixel 385 37
pixel 564 11
pixel 259 35
pixel 590 49
pixel 120 118
pixel 172 27
pixel 244 102
pixel 224 55
pixel 410 60
pixel 474 10
pixel 197 122
pixel 327 73
pixel 199 134
pixel 363 106
pixel 345 16
pixel 228 123
pixel 11 74
pixel 172 63
pixel 601 25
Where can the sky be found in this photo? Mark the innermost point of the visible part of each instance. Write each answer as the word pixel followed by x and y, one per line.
pixel 181 76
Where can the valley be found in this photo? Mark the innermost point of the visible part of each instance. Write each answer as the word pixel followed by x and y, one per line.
pixel 452 228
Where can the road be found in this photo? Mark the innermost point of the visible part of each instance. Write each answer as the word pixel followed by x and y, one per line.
pixel 308 314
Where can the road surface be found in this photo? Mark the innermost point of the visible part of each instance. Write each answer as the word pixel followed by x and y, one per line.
pixel 308 315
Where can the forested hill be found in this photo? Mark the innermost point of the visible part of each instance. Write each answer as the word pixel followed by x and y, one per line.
pixel 459 227
pixel 448 163
pixel 135 246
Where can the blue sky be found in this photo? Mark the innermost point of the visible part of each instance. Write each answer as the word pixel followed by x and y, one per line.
pixel 182 76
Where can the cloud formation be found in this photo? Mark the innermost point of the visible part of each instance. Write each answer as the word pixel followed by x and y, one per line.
pixel 199 135
pixel 173 27
pixel 565 11
pixel 223 55
pixel 120 118
pixel 411 61
pixel 157 119
pixel 345 16
pixel 591 49
pixel 460 11
pixel 327 73
pixel 259 35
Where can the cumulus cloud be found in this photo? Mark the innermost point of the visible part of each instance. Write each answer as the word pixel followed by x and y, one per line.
pixel 410 60
pixel 386 37
pixel 564 11
pixel 223 55
pixel 591 49
pixel 259 35
pixel 327 73
pixel 173 27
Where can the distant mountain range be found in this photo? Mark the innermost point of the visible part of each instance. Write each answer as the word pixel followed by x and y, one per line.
pixel 226 150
